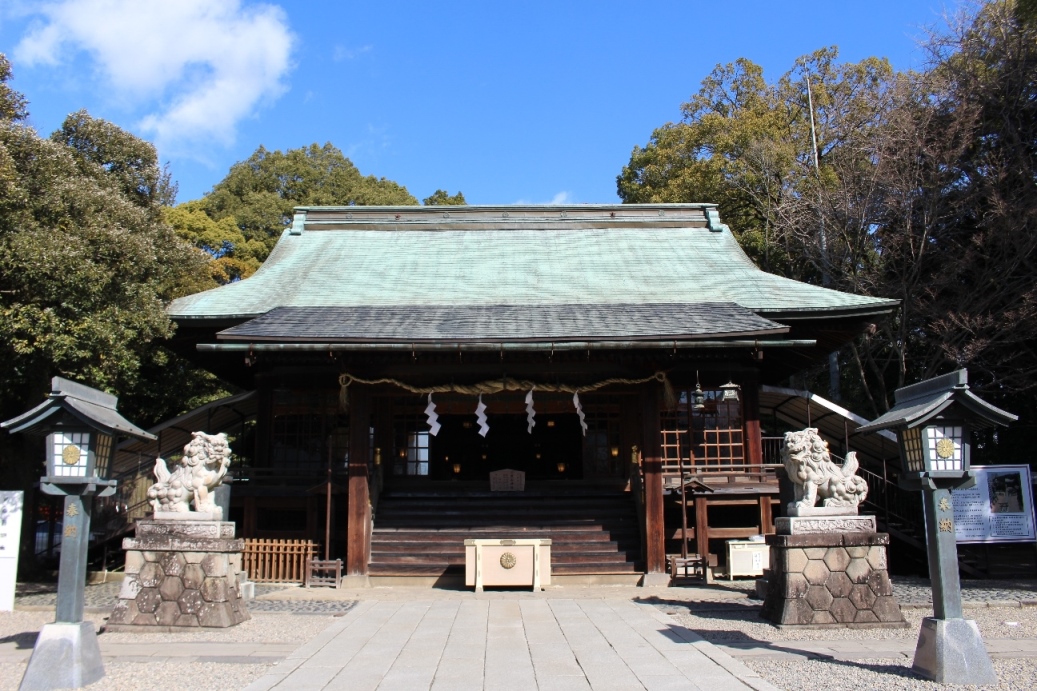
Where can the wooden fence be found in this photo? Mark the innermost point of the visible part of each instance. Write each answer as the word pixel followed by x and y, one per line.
pixel 278 561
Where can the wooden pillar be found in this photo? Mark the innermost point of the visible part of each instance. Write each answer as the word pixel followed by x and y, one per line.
pixel 358 547
pixel 651 460
pixel 751 413
pixel 702 527
pixel 766 514
pixel 249 529
pixel 383 439
pixel 264 420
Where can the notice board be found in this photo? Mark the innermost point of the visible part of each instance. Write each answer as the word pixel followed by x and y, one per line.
pixel 999 508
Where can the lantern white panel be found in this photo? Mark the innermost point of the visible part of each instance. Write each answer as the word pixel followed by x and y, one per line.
pixel 943 446
pixel 70 453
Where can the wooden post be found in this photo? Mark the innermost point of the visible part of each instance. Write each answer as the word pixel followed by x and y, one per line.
pixel 751 413
pixel 651 459
pixel 250 527
pixel 702 528
pixel 766 514
pixel 358 549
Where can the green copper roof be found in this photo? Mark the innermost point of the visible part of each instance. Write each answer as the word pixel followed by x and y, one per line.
pixel 513 255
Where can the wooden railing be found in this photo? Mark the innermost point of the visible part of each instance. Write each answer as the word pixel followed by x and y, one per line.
pixel 726 473
pixel 278 561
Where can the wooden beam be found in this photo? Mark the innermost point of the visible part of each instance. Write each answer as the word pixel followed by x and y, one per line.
pixel 358 547
pixel 651 460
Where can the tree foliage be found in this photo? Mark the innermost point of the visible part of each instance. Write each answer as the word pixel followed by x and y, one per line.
pixel 231 256
pixel 923 190
pixel 258 196
pixel 444 198
pixel 747 145
pixel 87 264
pixel 87 261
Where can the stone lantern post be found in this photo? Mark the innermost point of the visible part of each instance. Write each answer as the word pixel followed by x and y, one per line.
pixel 81 427
pixel 934 420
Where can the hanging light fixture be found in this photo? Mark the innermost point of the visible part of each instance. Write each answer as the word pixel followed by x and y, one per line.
pixel 730 390
pixel 698 396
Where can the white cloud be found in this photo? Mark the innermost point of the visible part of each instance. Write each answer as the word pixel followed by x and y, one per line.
pixel 341 52
pixel 560 198
pixel 199 66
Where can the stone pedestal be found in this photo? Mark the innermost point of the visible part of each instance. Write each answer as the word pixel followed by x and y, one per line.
pixel 66 656
pixel 829 572
pixel 181 574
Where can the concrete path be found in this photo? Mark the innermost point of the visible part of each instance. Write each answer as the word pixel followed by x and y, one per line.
pixel 508 644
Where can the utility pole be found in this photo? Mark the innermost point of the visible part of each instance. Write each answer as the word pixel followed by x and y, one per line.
pixel 834 389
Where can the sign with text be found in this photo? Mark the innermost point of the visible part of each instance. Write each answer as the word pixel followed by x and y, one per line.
pixel 999 508
pixel 10 536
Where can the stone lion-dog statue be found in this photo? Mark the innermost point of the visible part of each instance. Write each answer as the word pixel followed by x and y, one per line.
pixel 813 474
pixel 200 470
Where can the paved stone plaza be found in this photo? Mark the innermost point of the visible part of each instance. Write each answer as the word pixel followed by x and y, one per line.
pixel 508 644
pixel 573 637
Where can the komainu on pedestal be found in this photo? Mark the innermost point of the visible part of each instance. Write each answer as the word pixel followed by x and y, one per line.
pixel 184 567
pixel 827 563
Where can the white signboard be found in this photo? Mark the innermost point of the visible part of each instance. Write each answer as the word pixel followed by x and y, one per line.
pixel 999 508
pixel 10 534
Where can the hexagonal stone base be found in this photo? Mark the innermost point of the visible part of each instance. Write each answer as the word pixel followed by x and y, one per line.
pixel 830 580
pixel 180 581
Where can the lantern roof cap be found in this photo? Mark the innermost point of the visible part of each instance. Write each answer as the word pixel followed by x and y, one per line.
pixel 69 403
pixel 919 403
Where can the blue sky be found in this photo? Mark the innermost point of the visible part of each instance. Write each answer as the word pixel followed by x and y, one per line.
pixel 509 102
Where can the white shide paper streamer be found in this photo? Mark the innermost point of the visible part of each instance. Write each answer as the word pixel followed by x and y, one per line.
pixel 579 411
pixel 433 419
pixel 480 415
pixel 530 413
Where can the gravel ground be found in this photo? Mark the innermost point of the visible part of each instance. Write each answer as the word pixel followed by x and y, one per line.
pixel 167 676
pixel 20 627
pixel 740 623
pixel 832 675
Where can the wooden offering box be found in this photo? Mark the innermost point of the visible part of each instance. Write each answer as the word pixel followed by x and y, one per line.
pixel 508 562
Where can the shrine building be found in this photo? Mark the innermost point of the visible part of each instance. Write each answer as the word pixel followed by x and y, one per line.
pixel 393 358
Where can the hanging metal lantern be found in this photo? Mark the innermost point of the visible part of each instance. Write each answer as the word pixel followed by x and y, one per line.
pixel 698 396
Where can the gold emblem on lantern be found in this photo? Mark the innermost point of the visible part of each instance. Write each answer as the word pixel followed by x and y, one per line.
pixel 945 504
pixel 508 560
pixel 945 448
pixel 70 454
pixel 946 525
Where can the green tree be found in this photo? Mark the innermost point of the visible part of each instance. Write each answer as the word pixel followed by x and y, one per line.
pixel 923 190
pixel 443 198
pixel 231 256
pixel 748 145
pixel 87 264
pixel 260 193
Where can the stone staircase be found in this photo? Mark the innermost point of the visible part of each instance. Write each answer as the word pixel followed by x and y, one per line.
pixel 422 533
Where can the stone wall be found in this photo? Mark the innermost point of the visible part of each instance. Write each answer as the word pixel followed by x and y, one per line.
pixel 830 580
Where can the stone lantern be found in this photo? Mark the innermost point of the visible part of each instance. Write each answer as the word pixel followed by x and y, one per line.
pixel 81 426
pixel 934 420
